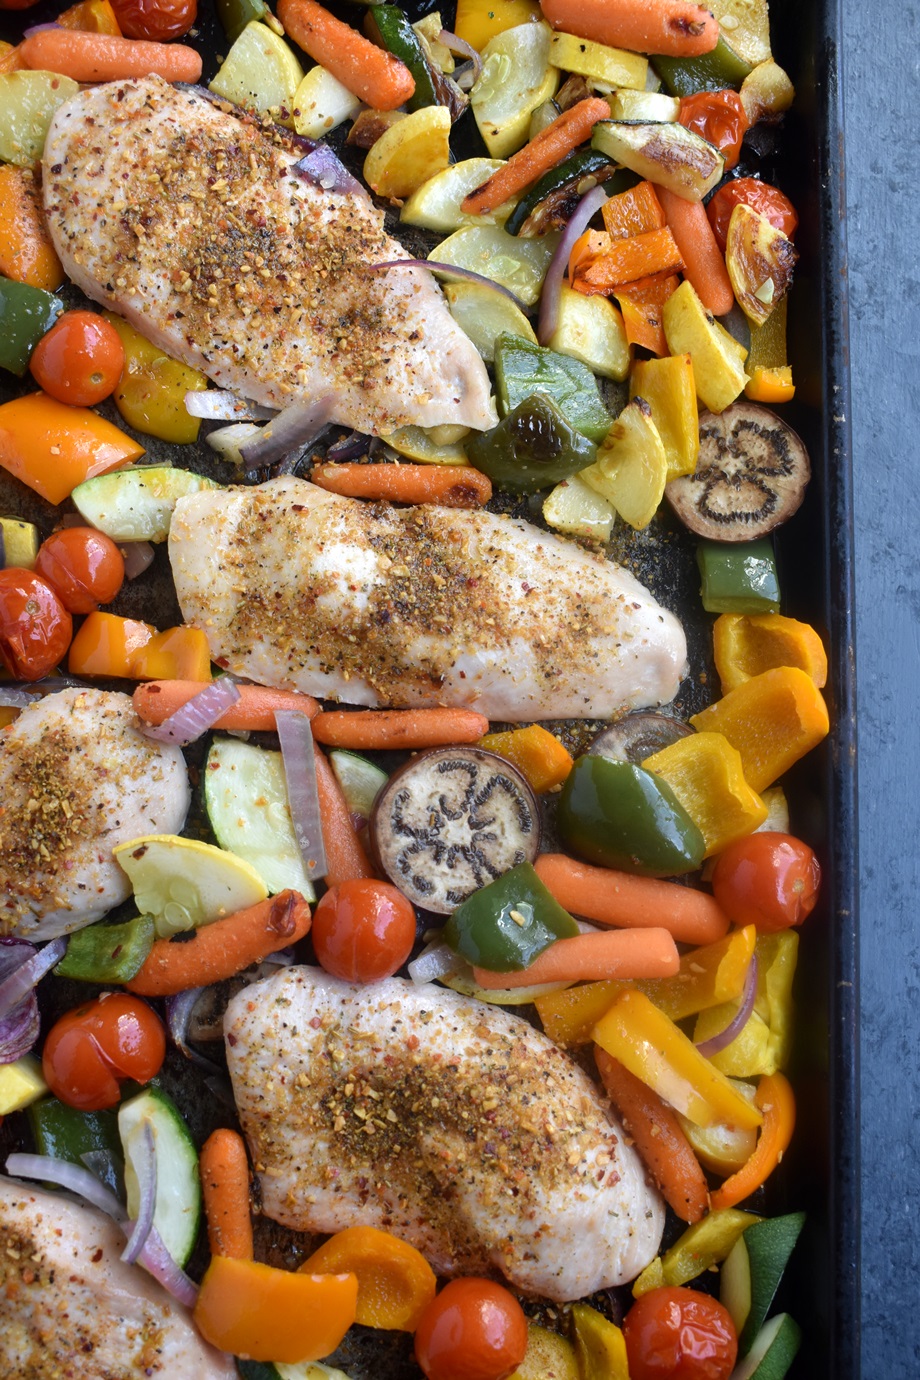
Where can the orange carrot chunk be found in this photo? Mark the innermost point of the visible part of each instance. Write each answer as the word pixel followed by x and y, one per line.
pixel 105 57
pixel 452 486
pixel 591 957
pixel 346 859
pixel 224 1172
pixel 254 710
pixel 367 71
pixel 670 27
pixel 410 729
pixel 704 265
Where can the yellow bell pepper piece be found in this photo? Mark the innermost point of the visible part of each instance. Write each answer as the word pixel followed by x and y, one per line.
pixel 537 754
pixel 479 20
pixel 745 645
pixel 722 1149
pixel 599 1345
pixel 772 719
pixel 705 773
pixel 762 1047
pixel 702 1246
pixel 176 654
pixel 652 1047
pixel 667 386
pixel 569 1016
pixel 151 393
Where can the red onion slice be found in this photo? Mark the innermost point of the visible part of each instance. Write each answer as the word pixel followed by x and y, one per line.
pixel 40 29
pixel 24 971
pixel 579 221
pixel 220 405
pixel 451 271
pixel 325 170
pixel 178 1014
pixel 196 716
pixel 137 556
pixel 460 48
pixel 157 1261
pixel 15 698
pixel 719 1042
pixel 287 435
pixel 297 753
pixel 145 1166
pixel 350 447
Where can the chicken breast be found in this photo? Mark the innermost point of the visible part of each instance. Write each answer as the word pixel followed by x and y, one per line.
pixel 71 1310
pixel 377 605
pixel 77 778
pixel 454 1125
pixel 195 225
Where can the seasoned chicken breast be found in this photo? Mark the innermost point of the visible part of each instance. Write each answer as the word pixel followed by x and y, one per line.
pixel 195 225
pixel 77 778
pixel 454 1125
pixel 378 605
pixel 71 1310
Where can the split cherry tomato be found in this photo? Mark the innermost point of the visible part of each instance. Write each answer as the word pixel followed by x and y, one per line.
pixel 719 118
pixel 90 1049
pixel 155 19
pixel 35 627
pixel 363 930
pixel 760 196
pixel 768 880
pixel 472 1330
pixel 79 361
pixel 679 1334
pixel 83 565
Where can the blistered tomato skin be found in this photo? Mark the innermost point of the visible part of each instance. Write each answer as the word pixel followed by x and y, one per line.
pixel 473 1330
pixel 718 117
pixel 679 1334
pixel 92 1048
pixel 155 19
pixel 760 196
pixel 79 361
pixel 83 565
pixel 35 627
pixel 363 930
pixel 770 880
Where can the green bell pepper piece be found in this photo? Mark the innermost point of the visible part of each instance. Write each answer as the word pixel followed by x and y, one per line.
pixel 618 815
pixel 531 448
pixel 522 369
pixel 234 15
pixel 567 177
pixel 108 953
pixel 26 313
pixel 713 71
pixel 63 1133
pixel 402 41
pixel 738 577
pixel 505 925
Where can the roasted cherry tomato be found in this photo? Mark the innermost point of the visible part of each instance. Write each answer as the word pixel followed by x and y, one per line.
pixel 83 565
pixel 679 1334
pixel 17 4
pixel 96 1045
pixel 156 19
pixel 472 1330
pixel 768 880
pixel 363 930
pixel 79 360
pixel 35 627
pixel 760 196
pixel 719 118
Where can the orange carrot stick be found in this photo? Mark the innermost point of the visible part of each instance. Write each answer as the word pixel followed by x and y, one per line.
pixel 609 897
pixel 254 710
pixel 453 486
pixel 105 57
pixel 670 27
pixel 224 1172
pixel 346 859
pixel 398 728
pixel 367 71
pixel 224 948
pixel 704 265
pixel 551 145
pixel 659 1138
pixel 592 957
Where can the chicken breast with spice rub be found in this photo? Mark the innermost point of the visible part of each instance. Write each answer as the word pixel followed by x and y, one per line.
pixel 454 1125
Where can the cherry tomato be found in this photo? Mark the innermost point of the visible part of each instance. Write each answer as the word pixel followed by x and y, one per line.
pixel 472 1330
pixel 79 361
pixel 363 930
pixel 679 1334
pixel 90 1049
pixel 156 19
pixel 35 627
pixel 83 565
pixel 760 196
pixel 768 880
pixel 719 118
pixel 17 4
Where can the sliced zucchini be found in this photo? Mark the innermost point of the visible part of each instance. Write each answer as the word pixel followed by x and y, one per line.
pixel 514 263
pixel 361 781
pixel 575 508
pixel 769 1244
pixel 773 1352
pixel 597 61
pixel 228 440
pixel 260 72
pixel 136 504
pixel 177 1213
pixel 184 883
pixel 246 799
pixel 400 39
pixel 666 153
pixel 542 118
pixel 28 101
pixel 428 31
pixel 436 204
pixel 409 153
pixel 590 329
pixel 435 445
pixel 631 467
pixel 322 103
pixel 484 315
pixel 19 543
pixel 746 25
pixel 516 77
pixel 652 106
pixel 766 93
pixel 550 202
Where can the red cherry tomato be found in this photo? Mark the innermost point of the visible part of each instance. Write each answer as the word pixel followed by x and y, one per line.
pixel 760 196
pixel 719 118
pixel 17 4
pixel 35 627
pixel 768 880
pixel 83 565
pixel 156 19
pixel 363 930
pixel 79 361
pixel 679 1334
pixel 472 1330
pixel 90 1049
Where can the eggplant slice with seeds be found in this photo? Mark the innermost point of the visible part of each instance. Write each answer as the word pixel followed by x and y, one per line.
pixel 452 820
pixel 637 736
pixel 750 477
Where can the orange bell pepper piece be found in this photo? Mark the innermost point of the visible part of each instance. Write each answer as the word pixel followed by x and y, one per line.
pixel 744 645
pixel 26 252
pixel 775 1099
pixel 770 385
pixel 53 447
pixel 92 16
pixel 586 249
pixel 107 645
pixel 537 754
pixel 641 304
pixel 10 61
pixel 264 1314
pixel 633 212
pixel 629 260
pixel 176 654
pixel 395 1281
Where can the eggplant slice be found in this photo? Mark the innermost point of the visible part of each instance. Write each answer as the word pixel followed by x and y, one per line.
pixel 637 736
pixel 750 477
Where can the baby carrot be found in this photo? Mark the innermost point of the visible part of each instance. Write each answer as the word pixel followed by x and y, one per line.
pixel 453 486
pixel 672 28
pixel 704 265
pixel 105 57
pixel 609 897
pixel 224 1172
pixel 255 709
pixel 224 948
pixel 346 859
pixel 648 953
pixel 367 71
pixel 410 729
pixel 658 1137
pixel 551 145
